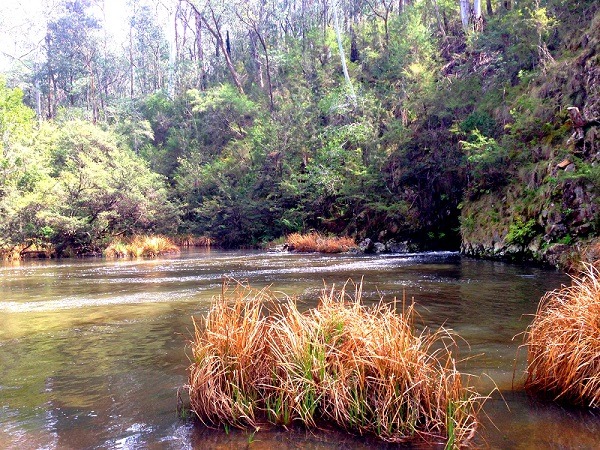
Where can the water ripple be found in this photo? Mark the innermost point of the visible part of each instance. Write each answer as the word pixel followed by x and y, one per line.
pixel 79 302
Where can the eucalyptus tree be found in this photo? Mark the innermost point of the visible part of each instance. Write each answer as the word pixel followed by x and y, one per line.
pixel 148 51
pixel 217 18
pixel 471 14
pixel 69 73
pixel 254 14
pixel 189 40
pixel 383 9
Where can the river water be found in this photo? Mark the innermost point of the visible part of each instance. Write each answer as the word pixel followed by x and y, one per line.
pixel 92 352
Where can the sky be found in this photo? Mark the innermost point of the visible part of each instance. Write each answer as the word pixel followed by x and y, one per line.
pixel 23 26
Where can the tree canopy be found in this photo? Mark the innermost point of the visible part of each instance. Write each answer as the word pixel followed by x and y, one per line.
pixel 246 121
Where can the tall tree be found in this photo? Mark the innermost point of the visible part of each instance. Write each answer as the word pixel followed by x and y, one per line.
pixel 148 51
pixel 254 14
pixel 212 15
pixel 383 9
pixel 71 52
pixel 343 55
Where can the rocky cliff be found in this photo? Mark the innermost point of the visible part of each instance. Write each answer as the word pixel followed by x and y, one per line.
pixel 549 207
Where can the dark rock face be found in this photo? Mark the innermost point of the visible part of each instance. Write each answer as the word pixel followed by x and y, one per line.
pixel 558 190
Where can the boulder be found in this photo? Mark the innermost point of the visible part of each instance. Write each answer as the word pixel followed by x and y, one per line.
pixel 366 245
pixel 397 247
pixel 378 247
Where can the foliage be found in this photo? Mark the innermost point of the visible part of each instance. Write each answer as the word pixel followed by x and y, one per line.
pixel 520 233
pixel 248 120
pixel 487 162
pixel 83 189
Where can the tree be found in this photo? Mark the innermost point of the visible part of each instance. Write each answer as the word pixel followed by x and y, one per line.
pixel 383 9
pixel 16 119
pixel 71 54
pixel 148 52
pixel 471 14
pixel 254 15
pixel 342 55
pixel 213 17
pixel 100 190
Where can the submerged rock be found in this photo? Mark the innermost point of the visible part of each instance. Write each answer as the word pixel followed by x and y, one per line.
pixel 366 245
pixel 397 247
pixel 378 247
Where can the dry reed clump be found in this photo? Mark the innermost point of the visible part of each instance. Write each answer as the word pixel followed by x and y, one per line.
pixel 190 240
pixel 582 255
pixel 21 251
pixel 138 246
pixel 563 343
pixel 315 242
pixel 258 360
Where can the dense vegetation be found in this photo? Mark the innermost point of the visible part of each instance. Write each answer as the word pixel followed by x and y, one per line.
pixel 422 124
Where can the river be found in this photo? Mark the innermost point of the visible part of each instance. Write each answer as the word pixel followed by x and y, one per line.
pixel 93 351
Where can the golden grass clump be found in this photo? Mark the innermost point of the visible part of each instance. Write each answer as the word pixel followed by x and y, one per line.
pixel 582 255
pixel 259 360
pixel 316 242
pixel 30 250
pixel 138 246
pixel 563 343
pixel 190 240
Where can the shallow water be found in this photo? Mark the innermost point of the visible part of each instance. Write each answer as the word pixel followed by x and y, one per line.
pixel 92 352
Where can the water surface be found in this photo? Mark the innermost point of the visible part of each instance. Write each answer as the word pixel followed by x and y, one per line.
pixel 92 352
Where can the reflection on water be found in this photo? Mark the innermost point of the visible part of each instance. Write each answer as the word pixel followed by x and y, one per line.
pixel 92 352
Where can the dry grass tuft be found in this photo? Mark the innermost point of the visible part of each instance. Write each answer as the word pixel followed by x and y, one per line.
pixel 23 251
pixel 583 255
pixel 564 343
pixel 257 360
pixel 315 242
pixel 138 246
pixel 190 240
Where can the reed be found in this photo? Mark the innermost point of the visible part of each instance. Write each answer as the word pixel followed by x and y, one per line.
pixel 138 246
pixel 190 240
pixel 257 359
pixel 23 251
pixel 316 242
pixel 581 255
pixel 563 343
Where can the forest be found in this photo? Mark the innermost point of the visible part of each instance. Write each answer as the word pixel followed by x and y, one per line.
pixel 443 123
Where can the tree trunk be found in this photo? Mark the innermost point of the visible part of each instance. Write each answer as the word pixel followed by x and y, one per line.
pixel 465 13
pixel 342 55
pixel 199 52
pixel 354 56
pixel 213 28
pixel 477 9
pixel 131 66
pixel 257 62
pixel 268 69
pixel 438 18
